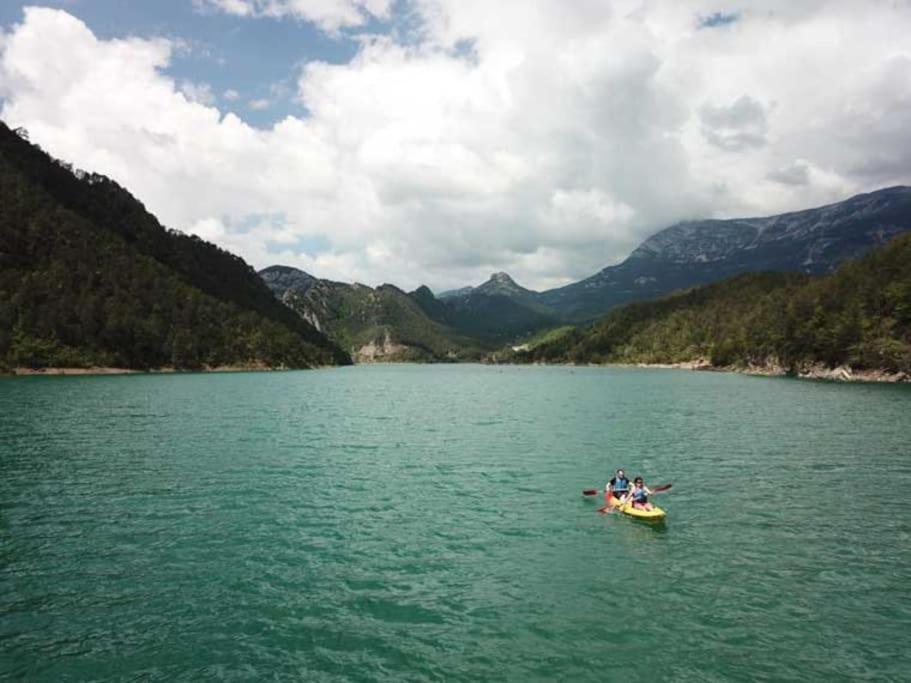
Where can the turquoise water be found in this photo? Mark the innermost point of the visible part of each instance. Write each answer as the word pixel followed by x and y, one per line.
pixel 426 522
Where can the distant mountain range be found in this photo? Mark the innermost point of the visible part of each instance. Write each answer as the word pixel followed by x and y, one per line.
pixel 853 322
pixel 89 278
pixel 692 253
pixel 373 324
pixel 388 324
pixel 499 311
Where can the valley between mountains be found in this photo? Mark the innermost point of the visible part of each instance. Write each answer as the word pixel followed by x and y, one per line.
pixel 89 279
pixel 698 261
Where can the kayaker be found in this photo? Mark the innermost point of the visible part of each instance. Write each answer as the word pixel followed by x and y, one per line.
pixel 618 486
pixel 639 495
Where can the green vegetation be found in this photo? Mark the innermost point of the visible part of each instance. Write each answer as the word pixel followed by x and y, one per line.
pixel 495 312
pixel 496 318
pixel 381 324
pixel 549 336
pixel 860 316
pixel 88 277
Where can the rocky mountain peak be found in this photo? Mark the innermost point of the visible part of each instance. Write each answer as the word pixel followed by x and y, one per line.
pixel 281 279
pixel 501 283
pixel 869 218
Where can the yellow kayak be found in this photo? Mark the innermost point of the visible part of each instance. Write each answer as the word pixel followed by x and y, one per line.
pixel 653 515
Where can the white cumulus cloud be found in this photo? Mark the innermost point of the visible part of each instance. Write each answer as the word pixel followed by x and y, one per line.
pixel 197 92
pixel 540 137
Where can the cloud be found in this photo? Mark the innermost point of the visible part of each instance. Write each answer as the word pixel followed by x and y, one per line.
pixel 737 127
pixel 534 137
pixel 330 15
pixel 796 173
pixel 230 95
pixel 259 104
pixel 197 92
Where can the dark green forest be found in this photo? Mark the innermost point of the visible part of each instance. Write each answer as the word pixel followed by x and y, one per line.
pixel 859 316
pixel 89 278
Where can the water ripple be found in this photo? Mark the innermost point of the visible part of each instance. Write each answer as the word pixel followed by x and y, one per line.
pixel 415 523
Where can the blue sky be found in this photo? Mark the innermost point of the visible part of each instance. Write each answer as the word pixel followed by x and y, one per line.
pixel 437 141
pixel 256 57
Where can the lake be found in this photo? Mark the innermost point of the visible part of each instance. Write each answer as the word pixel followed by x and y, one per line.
pixel 426 522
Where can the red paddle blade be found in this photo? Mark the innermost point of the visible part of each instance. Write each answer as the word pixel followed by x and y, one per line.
pixel 663 487
pixel 590 492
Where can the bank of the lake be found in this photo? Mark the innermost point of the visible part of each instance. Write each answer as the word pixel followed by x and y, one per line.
pixel 425 522
pixel 78 371
pixel 841 373
pixel 819 372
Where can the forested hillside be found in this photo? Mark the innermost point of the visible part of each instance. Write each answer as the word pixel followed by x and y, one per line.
pixel 88 277
pixel 373 324
pixel 497 311
pixel 860 316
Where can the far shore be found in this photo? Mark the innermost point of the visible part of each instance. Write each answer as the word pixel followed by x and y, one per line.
pixel 842 373
pixel 818 372
pixel 100 370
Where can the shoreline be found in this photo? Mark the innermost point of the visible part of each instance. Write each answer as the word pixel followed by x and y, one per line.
pixel 108 370
pixel 841 373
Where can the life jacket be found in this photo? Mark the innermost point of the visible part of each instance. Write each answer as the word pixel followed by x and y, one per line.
pixel 621 485
pixel 640 496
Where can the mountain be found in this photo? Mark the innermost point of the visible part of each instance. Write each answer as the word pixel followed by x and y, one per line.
pixel 503 285
pixel 496 311
pixel 286 279
pixel 698 252
pixel 373 324
pixel 89 277
pixel 859 317
pixel 498 284
pixel 387 323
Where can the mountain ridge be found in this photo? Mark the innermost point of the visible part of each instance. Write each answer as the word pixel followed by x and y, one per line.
pixel 853 322
pixel 681 256
pixel 695 252
pixel 90 277
pixel 384 323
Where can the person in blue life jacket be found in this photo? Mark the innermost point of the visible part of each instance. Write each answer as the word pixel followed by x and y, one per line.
pixel 618 486
pixel 639 495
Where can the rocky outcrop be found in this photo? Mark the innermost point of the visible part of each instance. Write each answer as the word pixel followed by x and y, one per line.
pixel 379 351
pixel 844 373
pixel 774 368
pixel 284 279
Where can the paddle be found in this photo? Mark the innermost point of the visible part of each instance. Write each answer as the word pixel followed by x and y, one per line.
pixel 595 492
pixel 607 509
